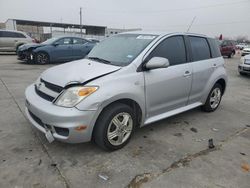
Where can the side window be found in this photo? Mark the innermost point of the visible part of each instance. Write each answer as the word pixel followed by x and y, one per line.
pixel 1 33
pixel 64 41
pixel 172 48
pixel 78 41
pixel 200 48
pixel 6 34
pixel 11 34
pixel 19 35
pixel 214 46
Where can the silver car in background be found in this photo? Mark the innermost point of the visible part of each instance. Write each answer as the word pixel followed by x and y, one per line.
pixel 127 81
pixel 11 40
pixel 244 66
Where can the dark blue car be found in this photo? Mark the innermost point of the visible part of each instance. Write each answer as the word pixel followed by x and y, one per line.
pixel 61 49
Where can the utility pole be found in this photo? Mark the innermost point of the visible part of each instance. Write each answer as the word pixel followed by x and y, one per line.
pixel 81 21
pixel 191 24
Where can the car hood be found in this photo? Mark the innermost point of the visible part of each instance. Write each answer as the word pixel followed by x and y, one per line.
pixel 30 45
pixel 79 71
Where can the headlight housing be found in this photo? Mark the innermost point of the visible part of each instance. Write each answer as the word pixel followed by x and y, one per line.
pixel 73 95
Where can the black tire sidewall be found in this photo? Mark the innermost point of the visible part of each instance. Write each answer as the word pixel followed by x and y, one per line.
pixel 207 107
pixel 101 127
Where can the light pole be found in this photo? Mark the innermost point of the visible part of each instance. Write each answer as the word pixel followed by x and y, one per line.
pixel 81 21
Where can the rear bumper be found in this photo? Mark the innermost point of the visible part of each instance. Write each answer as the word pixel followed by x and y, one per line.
pixel 62 122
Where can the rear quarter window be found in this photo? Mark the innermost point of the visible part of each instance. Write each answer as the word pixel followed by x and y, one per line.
pixel 214 46
pixel 9 34
pixel 200 48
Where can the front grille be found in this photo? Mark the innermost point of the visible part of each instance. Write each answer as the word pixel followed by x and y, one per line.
pixel 52 87
pixel 36 119
pixel 44 95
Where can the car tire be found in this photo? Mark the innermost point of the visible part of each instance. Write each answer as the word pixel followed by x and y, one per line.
pixel 242 73
pixel 42 58
pixel 110 133
pixel 213 99
pixel 230 55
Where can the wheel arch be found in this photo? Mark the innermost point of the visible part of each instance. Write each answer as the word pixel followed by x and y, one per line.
pixel 128 101
pixel 219 76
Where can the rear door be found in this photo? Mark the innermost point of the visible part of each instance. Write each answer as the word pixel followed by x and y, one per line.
pixel 7 41
pixel 79 48
pixel 167 89
pixel 203 66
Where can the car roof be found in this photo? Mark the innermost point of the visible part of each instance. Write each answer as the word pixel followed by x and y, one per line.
pixel 163 33
pixel 13 31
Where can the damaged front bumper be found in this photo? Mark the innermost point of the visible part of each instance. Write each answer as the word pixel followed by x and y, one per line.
pixel 64 124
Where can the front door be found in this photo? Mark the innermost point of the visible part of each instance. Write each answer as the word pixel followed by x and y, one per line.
pixel 62 51
pixel 168 88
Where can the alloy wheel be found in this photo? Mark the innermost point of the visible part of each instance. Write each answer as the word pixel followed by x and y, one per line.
pixel 120 128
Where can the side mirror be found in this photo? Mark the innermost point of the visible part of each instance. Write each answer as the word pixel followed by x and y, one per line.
pixel 157 63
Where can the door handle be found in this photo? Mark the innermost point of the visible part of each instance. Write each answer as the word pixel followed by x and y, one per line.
pixel 187 73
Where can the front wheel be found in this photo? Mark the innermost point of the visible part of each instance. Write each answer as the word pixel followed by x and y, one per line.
pixel 213 99
pixel 42 58
pixel 114 127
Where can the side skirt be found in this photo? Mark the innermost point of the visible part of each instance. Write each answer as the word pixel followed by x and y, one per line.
pixel 171 113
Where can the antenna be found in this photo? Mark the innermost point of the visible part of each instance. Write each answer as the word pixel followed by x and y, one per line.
pixel 189 27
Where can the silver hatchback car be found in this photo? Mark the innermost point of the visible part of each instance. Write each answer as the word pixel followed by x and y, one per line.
pixel 127 81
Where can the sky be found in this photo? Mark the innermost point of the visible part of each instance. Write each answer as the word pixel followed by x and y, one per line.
pixel 230 18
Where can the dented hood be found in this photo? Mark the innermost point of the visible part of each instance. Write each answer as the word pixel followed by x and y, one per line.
pixel 77 72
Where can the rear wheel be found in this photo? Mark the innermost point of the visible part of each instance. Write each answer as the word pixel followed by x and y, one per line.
pixel 42 58
pixel 114 127
pixel 213 99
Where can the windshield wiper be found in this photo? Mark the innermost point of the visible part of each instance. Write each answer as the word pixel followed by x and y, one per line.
pixel 100 60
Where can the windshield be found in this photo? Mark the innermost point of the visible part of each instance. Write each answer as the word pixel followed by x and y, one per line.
pixel 121 50
pixel 49 41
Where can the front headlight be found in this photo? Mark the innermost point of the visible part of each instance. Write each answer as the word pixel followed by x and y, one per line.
pixel 73 95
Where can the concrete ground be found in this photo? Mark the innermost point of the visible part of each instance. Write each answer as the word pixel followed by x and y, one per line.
pixel 164 154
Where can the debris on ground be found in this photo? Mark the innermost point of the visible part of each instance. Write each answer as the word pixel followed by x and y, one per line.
pixel 214 129
pixel 242 153
pixel 151 129
pixel 53 164
pixel 103 177
pixel 139 180
pixel 198 140
pixel 211 143
pixel 194 130
pixel 245 167
pixel 178 134
pixel 40 162
pixel 144 136
pixel 247 125
pixel 186 122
